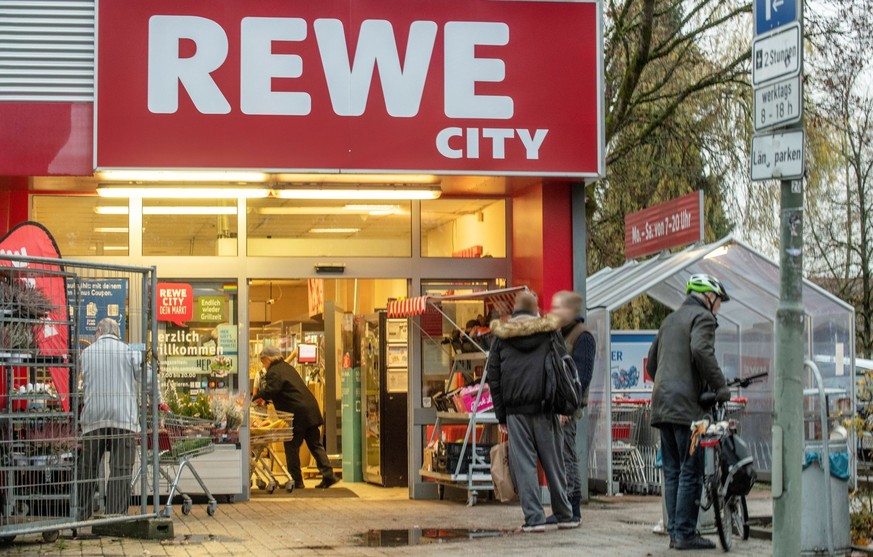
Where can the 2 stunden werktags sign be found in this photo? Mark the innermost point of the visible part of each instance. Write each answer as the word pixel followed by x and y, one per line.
pixel 456 86
pixel 777 63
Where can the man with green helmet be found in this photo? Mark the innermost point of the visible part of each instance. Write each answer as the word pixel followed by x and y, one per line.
pixel 683 365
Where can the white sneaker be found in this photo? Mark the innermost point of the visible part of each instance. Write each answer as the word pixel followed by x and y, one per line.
pixel 533 528
pixel 569 524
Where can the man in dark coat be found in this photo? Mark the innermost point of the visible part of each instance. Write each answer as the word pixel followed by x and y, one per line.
pixel 568 308
pixel 683 365
pixel 284 387
pixel 515 373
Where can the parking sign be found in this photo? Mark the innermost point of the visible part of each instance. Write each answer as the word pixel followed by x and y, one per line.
pixel 772 14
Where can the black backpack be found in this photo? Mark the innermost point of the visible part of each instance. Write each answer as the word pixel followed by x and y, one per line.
pixel 561 386
pixel 738 466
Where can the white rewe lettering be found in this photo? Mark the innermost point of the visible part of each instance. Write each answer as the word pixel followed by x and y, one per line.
pixel 532 144
pixel 498 136
pixel 166 69
pixel 258 66
pixel 472 139
pixel 349 83
pixel 442 143
pixel 464 70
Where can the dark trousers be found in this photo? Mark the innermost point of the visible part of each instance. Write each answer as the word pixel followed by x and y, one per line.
pixel 533 437
pixel 121 447
pixel 683 480
pixel 312 436
pixel 571 461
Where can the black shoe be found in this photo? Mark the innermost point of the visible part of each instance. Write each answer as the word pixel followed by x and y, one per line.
pixel 327 482
pixel 696 542
pixel 672 543
pixel 551 520
pixel 576 507
pixel 299 485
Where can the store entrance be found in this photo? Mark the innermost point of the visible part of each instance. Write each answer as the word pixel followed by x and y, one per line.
pixel 352 358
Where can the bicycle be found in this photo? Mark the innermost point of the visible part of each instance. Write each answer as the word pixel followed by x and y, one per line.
pixel 731 511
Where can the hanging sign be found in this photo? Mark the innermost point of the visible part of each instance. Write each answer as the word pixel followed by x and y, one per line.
pixel 456 86
pixel 675 223
pixel 175 302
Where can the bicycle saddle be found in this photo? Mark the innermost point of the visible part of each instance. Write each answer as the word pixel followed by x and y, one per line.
pixel 708 399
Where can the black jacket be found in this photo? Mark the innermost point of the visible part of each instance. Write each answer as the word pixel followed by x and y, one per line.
pixel 583 351
pixel 285 388
pixel 683 365
pixel 516 364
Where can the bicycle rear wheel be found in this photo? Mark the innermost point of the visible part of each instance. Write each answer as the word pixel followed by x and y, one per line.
pixel 723 510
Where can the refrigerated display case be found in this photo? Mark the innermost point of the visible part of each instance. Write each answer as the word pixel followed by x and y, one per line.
pixel 384 377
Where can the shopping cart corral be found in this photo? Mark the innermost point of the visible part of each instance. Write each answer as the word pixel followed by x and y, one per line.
pixel 269 426
pixel 180 440
pixel 53 436
pixel 628 466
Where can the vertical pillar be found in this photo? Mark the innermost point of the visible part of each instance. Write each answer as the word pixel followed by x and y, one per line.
pixel 788 422
pixel 580 277
pixel 14 201
pixel 542 239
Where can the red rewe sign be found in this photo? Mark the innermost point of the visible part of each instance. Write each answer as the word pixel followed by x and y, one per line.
pixel 455 86
pixel 175 302
pixel 668 225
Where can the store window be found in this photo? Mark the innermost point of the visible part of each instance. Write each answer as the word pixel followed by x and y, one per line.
pixel 198 347
pixel 84 225
pixel 463 228
pixel 189 227
pixel 444 350
pixel 329 228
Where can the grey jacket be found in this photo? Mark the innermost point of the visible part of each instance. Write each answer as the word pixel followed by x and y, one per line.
pixel 110 373
pixel 683 365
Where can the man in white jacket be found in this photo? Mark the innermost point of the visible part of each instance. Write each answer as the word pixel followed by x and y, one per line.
pixel 110 417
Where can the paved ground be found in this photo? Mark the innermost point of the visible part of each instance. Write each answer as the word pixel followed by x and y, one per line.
pixel 284 525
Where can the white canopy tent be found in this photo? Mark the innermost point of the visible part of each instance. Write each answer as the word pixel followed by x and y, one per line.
pixel 745 340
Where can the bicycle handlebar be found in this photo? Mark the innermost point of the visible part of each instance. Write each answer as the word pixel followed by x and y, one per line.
pixel 746 381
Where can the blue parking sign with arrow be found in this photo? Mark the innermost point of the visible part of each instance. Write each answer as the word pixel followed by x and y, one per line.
pixel 772 14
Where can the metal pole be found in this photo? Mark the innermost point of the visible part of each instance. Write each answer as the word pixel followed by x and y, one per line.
pixel 580 276
pixel 788 422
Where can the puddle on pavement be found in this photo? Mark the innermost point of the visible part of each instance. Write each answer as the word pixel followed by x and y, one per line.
pixel 193 539
pixel 423 536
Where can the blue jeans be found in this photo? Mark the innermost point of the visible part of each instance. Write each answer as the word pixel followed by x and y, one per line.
pixel 683 480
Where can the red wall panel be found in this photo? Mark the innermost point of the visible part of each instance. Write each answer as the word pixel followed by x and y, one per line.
pixel 45 139
pixel 542 240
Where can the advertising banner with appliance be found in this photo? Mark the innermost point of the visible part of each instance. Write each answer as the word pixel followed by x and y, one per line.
pixel 457 86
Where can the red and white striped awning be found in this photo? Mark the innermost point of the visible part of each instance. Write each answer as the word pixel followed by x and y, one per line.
pixel 503 300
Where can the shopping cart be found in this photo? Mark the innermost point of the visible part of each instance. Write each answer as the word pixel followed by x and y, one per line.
pixel 628 467
pixel 269 426
pixel 181 439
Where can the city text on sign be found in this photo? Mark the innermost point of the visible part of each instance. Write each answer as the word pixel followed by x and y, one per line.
pixel 664 226
pixel 778 156
pixel 387 86
pixel 778 104
pixel 776 55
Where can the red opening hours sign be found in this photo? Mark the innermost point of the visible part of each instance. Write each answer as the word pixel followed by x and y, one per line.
pixel 455 86
pixel 668 225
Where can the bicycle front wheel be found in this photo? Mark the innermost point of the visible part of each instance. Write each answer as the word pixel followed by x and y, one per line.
pixel 740 517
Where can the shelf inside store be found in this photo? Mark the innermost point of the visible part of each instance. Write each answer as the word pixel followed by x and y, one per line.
pixel 471 357
pixel 481 417
pixel 447 477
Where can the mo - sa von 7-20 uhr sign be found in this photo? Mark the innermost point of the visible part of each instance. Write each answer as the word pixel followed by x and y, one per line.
pixel 455 86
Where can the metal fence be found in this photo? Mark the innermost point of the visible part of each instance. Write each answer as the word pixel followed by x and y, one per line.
pixel 77 378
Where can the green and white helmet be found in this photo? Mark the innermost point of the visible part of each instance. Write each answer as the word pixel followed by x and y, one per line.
pixel 706 283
